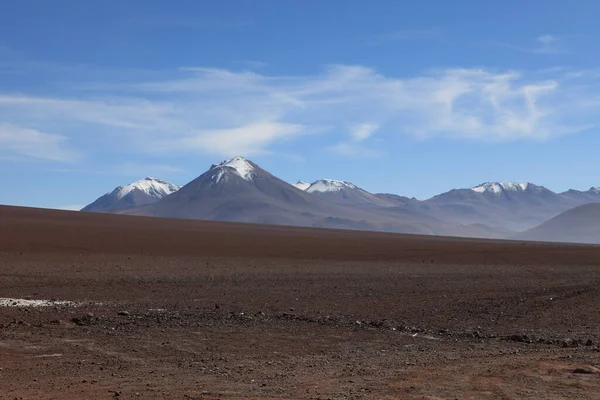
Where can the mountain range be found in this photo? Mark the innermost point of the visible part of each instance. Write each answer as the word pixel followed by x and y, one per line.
pixel 142 192
pixel 239 190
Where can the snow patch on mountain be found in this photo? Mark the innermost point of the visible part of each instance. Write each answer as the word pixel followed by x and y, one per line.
pixel 239 165
pixel 329 185
pixel 499 187
pixel 301 185
pixel 151 186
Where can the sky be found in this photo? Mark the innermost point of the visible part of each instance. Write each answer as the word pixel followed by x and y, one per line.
pixel 411 98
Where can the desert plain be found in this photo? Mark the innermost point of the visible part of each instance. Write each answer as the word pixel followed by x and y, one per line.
pixel 98 306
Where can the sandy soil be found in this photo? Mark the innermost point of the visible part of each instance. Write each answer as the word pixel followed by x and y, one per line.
pixel 153 308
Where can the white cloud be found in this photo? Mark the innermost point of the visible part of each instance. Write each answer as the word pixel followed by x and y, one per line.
pixel 403 35
pixel 354 146
pixel 361 132
pixel 119 112
pixel 544 44
pixel 134 169
pixel 35 144
pixel 249 140
pixel 349 149
pixel 548 44
pixel 254 64
pixel 224 112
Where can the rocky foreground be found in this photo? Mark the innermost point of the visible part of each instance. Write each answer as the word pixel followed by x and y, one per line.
pixel 104 306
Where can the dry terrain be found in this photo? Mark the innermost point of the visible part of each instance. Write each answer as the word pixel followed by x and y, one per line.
pixel 172 309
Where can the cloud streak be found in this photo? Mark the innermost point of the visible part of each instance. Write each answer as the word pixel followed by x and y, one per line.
pixel 354 147
pixel 31 143
pixel 404 35
pixel 251 139
pixel 225 112
pixel 545 44
pixel 361 132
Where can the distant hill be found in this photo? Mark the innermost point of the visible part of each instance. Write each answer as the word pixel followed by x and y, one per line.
pixel 579 225
pixel 239 190
pixel 139 193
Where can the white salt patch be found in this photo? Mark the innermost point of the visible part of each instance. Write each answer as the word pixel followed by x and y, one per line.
pixel 8 302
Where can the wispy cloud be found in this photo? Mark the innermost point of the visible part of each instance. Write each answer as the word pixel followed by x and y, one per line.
pixel 253 64
pixel 548 44
pixel 131 169
pixel 354 146
pixel 251 139
pixel 32 143
pixel 361 132
pixel 355 150
pixel 226 112
pixel 544 44
pixel 404 35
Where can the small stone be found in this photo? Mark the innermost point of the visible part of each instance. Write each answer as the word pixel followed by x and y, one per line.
pixel 123 313
pixel 568 343
pixel 582 371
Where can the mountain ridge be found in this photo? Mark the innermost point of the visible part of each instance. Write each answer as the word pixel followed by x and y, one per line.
pixel 239 190
pixel 138 193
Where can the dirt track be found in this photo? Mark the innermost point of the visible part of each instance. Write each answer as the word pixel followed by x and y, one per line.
pixel 189 309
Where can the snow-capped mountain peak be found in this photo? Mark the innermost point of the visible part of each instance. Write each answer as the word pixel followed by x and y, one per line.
pixel 329 185
pixel 595 189
pixel 151 186
pixel 239 165
pixel 301 185
pixel 500 187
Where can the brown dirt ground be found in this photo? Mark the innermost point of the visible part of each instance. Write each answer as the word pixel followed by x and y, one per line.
pixel 208 310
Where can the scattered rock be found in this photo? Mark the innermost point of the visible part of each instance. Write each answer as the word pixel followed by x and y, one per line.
pixel 88 319
pixel 123 313
pixel 520 338
pixel 582 371
pixel 569 343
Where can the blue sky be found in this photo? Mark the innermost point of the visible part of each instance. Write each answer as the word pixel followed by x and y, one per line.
pixel 413 98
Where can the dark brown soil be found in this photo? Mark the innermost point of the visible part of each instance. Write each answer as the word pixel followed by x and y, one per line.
pixel 205 310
